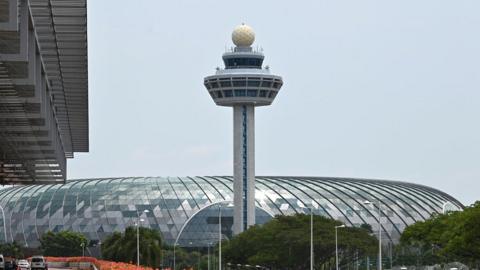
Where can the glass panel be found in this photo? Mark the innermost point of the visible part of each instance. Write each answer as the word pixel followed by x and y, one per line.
pixel 252 93
pixel 228 93
pixel 239 83
pixel 266 84
pixel 239 93
pixel 272 94
pixel 226 84
pixel 254 83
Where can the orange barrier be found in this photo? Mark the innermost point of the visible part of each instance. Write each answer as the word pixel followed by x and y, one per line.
pixel 100 264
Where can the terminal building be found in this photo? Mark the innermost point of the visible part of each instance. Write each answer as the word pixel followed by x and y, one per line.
pixel 185 209
pixel 43 89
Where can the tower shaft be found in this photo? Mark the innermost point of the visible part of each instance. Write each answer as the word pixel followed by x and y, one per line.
pixel 243 166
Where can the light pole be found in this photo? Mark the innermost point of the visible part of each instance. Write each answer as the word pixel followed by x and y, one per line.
pixel 311 239
pixel 315 205
pixel 4 226
pixel 379 233
pixel 336 244
pixel 219 237
pixel 138 236
pixel 83 249
pixel 174 259
pixel 208 256
pixel 220 234
pixel 100 246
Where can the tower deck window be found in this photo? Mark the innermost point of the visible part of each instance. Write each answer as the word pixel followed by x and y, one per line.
pixel 228 93
pixel 251 93
pixel 272 94
pixel 239 83
pixel 226 84
pixel 253 83
pixel 239 93
pixel 243 62
pixel 266 84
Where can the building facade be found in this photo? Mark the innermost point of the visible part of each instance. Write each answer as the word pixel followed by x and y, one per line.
pixel 186 209
pixel 43 88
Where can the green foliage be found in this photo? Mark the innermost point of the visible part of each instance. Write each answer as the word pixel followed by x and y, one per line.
pixel 285 242
pixel 11 250
pixel 454 236
pixel 367 227
pixel 188 259
pixel 122 247
pixel 62 244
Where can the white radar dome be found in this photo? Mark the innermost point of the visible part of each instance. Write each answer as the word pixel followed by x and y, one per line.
pixel 243 36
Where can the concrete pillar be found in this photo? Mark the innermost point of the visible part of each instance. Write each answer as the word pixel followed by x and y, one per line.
pixel 243 167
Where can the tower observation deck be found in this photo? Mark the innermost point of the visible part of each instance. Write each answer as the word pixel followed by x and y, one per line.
pixel 243 84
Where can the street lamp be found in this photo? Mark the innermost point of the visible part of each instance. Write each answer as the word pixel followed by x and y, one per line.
pixel 336 243
pixel 138 235
pixel 100 246
pixel 174 259
pixel 379 233
pixel 219 237
pixel 4 227
pixel 220 234
pixel 83 249
pixel 315 205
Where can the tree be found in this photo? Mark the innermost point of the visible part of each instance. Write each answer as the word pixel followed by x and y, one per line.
pixel 454 236
pixel 187 258
pixel 62 244
pixel 367 227
pixel 11 250
pixel 284 242
pixel 122 247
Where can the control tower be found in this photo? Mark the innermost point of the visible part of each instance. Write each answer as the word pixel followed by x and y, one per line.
pixel 243 84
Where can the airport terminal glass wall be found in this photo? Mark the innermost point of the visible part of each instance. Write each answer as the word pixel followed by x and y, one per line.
pixel 186 209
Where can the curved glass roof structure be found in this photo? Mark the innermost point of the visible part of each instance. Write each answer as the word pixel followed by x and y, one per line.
pixel 186 209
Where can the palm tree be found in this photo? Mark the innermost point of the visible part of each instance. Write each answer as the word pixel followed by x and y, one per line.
pixel 122 246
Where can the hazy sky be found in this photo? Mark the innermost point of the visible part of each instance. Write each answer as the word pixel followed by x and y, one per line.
pixel 372 89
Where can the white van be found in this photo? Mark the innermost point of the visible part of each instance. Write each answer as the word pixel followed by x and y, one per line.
pixel 2 262
pixel 38 263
